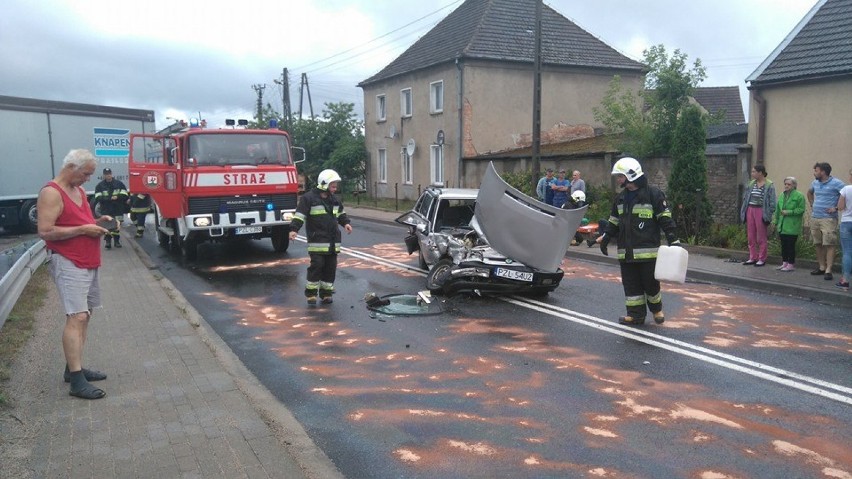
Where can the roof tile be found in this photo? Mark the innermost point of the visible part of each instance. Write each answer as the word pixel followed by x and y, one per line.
pixel 821 48
pixel 503 30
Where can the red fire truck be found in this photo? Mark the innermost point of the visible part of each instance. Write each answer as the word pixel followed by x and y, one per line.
pixel 216 184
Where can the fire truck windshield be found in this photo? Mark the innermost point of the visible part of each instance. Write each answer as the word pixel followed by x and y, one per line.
pixel 239 149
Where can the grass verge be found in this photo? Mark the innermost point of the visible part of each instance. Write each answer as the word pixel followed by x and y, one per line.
pixel 18 327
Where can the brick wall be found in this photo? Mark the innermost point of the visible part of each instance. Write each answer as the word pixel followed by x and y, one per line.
pixel 724 175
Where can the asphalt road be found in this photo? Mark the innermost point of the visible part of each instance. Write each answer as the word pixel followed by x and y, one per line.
pixel 734 384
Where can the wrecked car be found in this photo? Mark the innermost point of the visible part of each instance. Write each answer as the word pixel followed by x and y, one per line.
pixel 491 240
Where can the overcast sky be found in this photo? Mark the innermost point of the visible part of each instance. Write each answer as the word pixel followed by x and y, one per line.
pixel 189 57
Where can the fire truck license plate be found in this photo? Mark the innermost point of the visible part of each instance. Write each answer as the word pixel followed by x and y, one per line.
pixel 249 230
pixel 512 274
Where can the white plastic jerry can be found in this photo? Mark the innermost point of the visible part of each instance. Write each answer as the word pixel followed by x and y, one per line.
pixel 671 264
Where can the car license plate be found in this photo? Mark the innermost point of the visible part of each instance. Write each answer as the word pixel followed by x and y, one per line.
pixel 249 230
pixel 512 274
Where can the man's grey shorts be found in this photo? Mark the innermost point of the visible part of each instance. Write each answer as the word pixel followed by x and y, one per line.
pixel 79 290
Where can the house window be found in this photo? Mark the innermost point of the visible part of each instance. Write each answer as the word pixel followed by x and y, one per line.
pixel 407 167
pixel 381 111
pixel 436 158
pixel 383 165
pixel 436 97
pixel 406 106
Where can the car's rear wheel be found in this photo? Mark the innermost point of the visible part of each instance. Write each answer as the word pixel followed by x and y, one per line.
pixel 438 275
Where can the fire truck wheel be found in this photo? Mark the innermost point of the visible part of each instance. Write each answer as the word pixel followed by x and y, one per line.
pixel 176 244
pixel 280 239
pixel 190 249
pixel 162 238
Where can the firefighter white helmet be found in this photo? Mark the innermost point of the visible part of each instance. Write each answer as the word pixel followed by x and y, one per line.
pixel 325 178
pixel 628 167
pixel 578 196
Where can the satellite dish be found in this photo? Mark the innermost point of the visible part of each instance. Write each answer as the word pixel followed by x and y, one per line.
pixel 409 148
pixel 392 131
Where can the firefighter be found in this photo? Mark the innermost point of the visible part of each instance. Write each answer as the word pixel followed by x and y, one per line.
pixel 639 214
pixel 112 196
pixel 576 200
pixel 140 206
pixel 321 211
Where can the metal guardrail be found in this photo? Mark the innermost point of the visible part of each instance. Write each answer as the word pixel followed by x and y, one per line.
pixel 19 274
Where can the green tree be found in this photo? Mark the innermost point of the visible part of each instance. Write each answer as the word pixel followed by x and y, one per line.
pixel 620 113
pixel 669 83
pixel 687 189
pixel 267 114
pixel 645 120
pixel 335 140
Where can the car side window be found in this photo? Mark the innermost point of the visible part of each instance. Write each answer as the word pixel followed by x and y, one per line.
pixel 424 204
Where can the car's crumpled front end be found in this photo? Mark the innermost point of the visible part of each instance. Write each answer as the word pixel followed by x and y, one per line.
pixel 491 240
pixel 522 228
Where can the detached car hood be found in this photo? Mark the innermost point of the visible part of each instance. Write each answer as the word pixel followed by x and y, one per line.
pixel 522 228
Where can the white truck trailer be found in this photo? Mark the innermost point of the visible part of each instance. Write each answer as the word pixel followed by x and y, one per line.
pixel 35 136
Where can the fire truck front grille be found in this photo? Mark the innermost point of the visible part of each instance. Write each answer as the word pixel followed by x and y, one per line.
pixel 234 204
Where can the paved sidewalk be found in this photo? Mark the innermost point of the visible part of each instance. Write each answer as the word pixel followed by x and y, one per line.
pixel 712 265
pixel 178 403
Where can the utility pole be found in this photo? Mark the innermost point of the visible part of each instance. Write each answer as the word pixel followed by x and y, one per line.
pixel 259 90
pixel 536 126
pixel 302 89
pixel 285 99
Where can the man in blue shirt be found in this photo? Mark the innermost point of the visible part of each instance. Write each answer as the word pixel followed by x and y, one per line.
pixel 542 190
pixel 823 196
pixel 561 187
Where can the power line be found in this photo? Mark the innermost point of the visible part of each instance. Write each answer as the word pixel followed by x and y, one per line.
pixel 375 39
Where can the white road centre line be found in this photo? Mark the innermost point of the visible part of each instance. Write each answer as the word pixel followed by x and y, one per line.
pixel 764 371
pixel 702 349
pixel 697 352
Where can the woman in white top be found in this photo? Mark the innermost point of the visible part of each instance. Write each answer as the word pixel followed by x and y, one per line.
pixel 844 205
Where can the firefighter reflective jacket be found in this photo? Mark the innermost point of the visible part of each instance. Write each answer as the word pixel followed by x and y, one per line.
pixel 322 218
pixel 140 203
pixel 637 224
pixel 104 193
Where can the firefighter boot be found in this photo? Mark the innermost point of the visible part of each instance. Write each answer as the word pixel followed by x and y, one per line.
pixel 326 289
pixel 117 241
pixel 630 320
pixel 311 295
pixel 140 232
pixel 659 317
pixel 108 242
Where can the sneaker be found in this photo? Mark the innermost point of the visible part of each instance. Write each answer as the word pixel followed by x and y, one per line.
pixel 841 284
pixel 789 269
pixel 828 276
pixel 659 317
pixel 760 263
pixel 749 262
pixel 817 272
pixel 783 266
pixel 312 300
